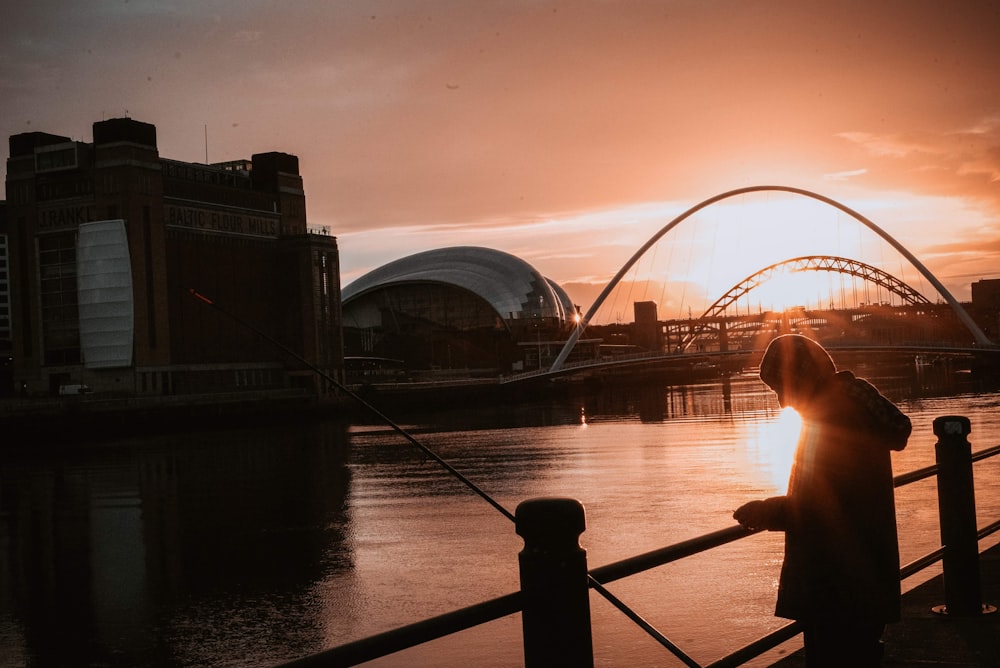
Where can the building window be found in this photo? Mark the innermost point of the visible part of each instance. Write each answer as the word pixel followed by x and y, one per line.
pixel 109 184
pixel 57 294
pixel 5 330
pixel 18 193
pixel 51 158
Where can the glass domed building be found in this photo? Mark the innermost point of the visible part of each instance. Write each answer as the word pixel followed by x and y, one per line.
pixel 464 307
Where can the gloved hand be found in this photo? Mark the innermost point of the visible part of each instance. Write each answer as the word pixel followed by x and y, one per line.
pixel 764 514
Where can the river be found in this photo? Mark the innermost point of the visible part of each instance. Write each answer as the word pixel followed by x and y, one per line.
pixel 250 547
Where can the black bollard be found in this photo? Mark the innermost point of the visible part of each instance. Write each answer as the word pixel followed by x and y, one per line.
pixel 957 511
pixel 555 590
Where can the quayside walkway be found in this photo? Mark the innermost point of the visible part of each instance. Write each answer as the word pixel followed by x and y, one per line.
pixel 927 639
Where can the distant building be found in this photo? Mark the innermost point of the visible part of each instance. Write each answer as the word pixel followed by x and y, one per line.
pixel 4 282
pixel 465 307
pixel 986 306
pixel 6 358
pixel 647 326
pixel 105 241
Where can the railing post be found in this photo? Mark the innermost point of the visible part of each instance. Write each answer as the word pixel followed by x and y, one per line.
pixel 555 590
pixel 957 511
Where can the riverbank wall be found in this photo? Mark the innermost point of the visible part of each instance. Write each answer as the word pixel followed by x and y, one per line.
pixel 34 420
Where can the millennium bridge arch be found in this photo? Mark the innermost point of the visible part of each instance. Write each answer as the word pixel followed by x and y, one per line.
pixel 830 263
pixel 963 316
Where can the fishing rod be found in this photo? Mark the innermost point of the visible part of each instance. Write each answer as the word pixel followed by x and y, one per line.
pixel 341 387
pixel 655 634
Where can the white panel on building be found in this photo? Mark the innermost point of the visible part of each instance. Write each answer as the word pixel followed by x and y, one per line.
pixel 104 295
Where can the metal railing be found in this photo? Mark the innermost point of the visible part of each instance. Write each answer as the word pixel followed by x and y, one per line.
pixel 554 599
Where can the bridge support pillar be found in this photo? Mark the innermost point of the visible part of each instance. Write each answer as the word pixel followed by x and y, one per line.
pixel 957 511
pixel 555 587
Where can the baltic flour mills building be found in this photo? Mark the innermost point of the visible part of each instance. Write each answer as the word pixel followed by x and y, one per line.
pixel 106 240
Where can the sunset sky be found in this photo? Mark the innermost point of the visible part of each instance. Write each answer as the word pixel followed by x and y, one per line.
pixel 566 133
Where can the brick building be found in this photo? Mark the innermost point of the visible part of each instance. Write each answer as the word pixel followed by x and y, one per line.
pixel 107 239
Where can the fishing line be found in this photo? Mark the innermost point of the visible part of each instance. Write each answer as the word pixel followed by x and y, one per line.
pixel 430 453
pixel 340 386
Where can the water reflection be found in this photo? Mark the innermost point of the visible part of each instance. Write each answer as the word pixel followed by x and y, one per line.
pixel 110 551
pixel 626 397
pixel 899 379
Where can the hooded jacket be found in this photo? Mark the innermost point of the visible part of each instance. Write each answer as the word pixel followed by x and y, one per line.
pixel 839 518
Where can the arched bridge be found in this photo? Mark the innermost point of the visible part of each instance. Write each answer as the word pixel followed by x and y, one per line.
pixel 831 263
pixel 980 338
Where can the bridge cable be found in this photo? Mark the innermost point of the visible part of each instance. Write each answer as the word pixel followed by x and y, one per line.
pixel 649 274
pixel 665 278
pixel 448 467
pixel 687 279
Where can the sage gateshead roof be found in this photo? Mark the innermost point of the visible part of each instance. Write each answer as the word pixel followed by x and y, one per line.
pixel 512 287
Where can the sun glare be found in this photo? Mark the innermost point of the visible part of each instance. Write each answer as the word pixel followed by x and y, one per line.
pixel 777 447
pixel 784 291
pixel 720 247
pixel 744 237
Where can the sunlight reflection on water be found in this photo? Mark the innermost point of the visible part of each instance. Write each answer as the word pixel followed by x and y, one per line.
pixel 771 447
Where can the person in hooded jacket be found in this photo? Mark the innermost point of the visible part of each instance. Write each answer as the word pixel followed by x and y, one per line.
pixel 840 575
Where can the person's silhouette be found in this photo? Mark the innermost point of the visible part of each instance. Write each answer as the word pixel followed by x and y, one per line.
pixel 840 576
